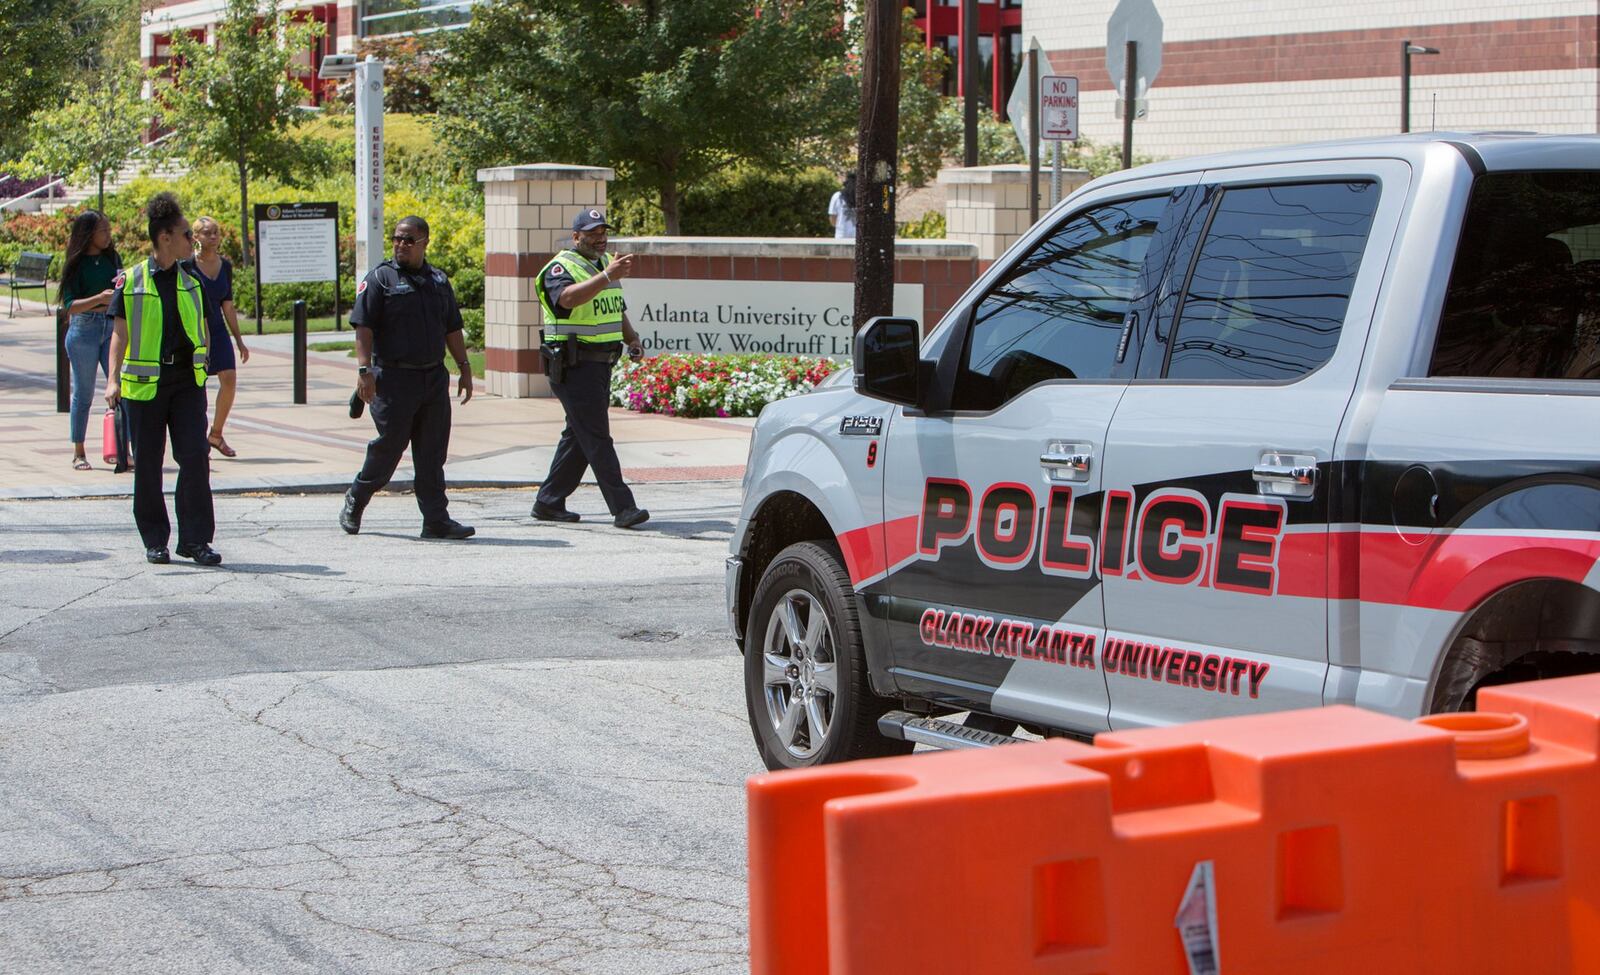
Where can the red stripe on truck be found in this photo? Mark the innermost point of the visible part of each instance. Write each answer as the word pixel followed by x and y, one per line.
pixel 870 551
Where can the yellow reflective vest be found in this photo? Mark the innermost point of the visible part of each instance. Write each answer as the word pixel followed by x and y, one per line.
pixel 599 319
pixel 141 304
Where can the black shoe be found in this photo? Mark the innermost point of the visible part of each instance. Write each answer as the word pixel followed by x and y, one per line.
pixel 631 517
pixel 350 514
pixel 202 554
pixel 448 529
pixel 157 555
pixel 548 512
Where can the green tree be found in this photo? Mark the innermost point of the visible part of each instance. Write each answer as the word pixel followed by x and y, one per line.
pixel 95 131
pixel 408 74
pixel 668 94
pixel 926 141
pixel 924 144
pixel 237 102
pixel 44 45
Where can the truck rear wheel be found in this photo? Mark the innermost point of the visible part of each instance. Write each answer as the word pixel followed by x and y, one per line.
pixel 805 670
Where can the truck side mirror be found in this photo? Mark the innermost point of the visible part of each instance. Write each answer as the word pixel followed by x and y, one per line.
pixel 886 364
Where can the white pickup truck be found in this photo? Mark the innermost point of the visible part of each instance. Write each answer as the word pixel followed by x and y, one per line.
pixel 1250 432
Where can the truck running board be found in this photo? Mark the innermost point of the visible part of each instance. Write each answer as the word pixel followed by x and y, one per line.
pixel 905 726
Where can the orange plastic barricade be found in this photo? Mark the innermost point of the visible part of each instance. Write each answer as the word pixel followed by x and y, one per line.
pixel 1332 840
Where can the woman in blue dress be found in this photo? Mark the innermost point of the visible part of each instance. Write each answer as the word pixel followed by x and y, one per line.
pixel 216 277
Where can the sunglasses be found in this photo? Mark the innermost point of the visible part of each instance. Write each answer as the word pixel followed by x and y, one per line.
pixel 404 239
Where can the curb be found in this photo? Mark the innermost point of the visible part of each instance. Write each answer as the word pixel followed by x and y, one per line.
pixel 329 485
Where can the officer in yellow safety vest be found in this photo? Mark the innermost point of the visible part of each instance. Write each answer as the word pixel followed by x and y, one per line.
pixel 158 375
pixel 586 330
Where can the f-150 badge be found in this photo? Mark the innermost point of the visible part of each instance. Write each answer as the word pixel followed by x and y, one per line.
pixel 861 426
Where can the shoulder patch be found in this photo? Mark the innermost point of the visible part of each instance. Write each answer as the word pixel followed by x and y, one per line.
pixel 362 286
pixel 557 270
pixel 120 280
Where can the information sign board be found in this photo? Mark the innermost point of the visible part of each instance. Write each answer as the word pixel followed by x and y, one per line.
pixel 297 242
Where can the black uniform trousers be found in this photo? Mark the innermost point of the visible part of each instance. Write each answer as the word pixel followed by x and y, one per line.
pixel 411 406
pixel 585 395
pixel 181 409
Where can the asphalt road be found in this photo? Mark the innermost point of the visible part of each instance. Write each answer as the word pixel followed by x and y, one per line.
pixel 524 752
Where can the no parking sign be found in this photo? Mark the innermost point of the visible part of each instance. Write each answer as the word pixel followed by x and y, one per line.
pixel 1058 108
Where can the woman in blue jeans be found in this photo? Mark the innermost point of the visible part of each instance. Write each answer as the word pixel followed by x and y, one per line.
pixel 87 279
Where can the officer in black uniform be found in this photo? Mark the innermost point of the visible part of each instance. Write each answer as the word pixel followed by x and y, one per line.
pixel 586 331
pixel 404 317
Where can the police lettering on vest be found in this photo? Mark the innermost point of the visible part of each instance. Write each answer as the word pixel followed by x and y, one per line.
pixel 141 304
pixel 597 320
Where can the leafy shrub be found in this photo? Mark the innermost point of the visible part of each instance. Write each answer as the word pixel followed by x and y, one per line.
pixel 277 300
pixel 634 214
pixel 9 252
pixel 929 226
pixel 36 231
pixel 1098 158
pixel 997 141
pixel 722 385
pixel 413 155
pixel 472 327
pixel 741 202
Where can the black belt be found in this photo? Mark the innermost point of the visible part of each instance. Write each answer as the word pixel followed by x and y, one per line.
pixel 407 365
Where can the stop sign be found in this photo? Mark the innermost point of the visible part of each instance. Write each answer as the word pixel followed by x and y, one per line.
pixel 1137 21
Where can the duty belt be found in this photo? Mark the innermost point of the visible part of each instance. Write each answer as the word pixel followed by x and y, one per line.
pixel 599 351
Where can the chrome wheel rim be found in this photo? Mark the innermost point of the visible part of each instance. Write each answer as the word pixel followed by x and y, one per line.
pixel 799 673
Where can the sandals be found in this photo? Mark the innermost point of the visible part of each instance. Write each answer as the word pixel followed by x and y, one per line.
pixel 221 446
pixel 81 464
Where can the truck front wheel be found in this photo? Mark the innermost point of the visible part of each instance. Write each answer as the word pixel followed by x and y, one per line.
pixel 805 671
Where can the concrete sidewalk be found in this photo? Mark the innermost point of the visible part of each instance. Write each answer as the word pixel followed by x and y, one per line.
pixel 317 447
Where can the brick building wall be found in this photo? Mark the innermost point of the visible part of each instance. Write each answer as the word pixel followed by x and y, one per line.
pixel 167 17
pixel 1242 74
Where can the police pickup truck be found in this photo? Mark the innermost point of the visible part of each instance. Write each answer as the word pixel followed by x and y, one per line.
pixel 1259 431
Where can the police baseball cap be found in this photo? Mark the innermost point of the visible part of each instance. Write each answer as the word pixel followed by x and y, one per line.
pixel 589 219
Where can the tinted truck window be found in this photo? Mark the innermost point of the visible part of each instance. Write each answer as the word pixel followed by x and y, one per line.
pixel 1524 297
pixel 1268 293
pixel 1058 313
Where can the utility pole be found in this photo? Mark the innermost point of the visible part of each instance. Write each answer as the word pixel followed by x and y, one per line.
pixel 1033 135
pixel 877 162
pixel 969 82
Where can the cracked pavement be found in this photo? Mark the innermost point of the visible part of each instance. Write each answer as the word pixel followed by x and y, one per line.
pixel 372 754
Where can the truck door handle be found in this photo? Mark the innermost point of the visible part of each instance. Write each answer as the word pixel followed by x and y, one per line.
pixel 1066 464
pixel 1286 475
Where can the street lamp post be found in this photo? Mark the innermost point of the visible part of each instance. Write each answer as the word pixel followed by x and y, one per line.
pixel 1406 50
pixel 368 79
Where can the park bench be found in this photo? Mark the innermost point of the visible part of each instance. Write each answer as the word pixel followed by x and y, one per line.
pixel 29 271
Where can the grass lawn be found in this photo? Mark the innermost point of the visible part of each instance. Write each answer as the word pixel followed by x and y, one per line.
pixel 474 356
pixel 274 326
pixel 50 292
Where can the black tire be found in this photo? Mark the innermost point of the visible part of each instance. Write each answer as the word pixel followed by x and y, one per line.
pixel 786 679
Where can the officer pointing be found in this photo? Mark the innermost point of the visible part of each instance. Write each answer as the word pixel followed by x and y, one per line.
pixel 585 329
pixel 405 317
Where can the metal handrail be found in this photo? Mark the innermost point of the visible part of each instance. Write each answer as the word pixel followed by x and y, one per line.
pixel 145 146
pixel 139 151
pixel 33 192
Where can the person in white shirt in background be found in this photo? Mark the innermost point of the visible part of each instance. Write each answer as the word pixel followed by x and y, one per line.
pixel 842 208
